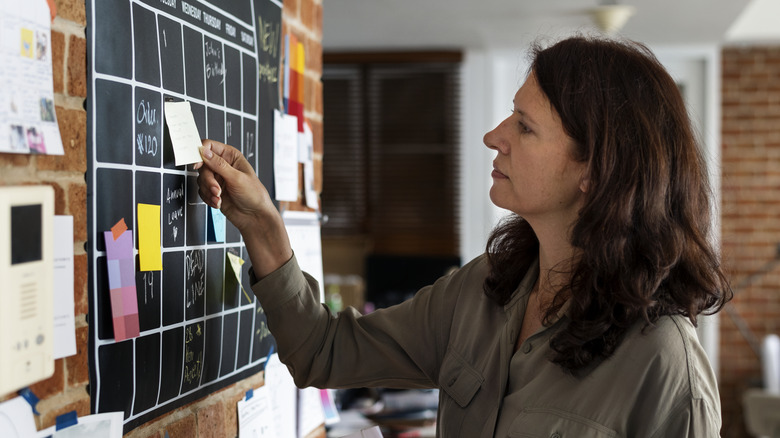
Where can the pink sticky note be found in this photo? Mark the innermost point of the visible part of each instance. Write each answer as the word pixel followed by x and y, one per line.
pixel 129 301
pixel 132 327
pixel 117 308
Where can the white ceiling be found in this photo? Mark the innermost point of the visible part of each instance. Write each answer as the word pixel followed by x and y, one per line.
pixel 480 24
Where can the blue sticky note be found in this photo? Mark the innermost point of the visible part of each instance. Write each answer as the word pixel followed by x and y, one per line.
pixel 67 419
pixel 216 227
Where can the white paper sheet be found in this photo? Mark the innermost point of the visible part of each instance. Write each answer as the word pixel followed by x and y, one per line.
pixel 306 156
pixel 255 418
pixel 64 321
pixel 105 425
pixel 184 132
pixel 16 419
pixel 306 241
pixel 310 413
pixel 285 156
pixel 283 392
pixel 28 121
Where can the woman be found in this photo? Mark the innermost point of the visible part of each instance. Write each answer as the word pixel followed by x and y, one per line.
pixel 579 319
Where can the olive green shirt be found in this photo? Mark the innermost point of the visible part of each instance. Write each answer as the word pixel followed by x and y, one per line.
pixel 450 336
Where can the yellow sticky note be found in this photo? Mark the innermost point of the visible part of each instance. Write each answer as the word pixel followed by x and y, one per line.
pixel 149 246
pixel 235 266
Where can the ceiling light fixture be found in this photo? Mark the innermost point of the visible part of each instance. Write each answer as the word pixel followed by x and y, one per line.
pixel 610 17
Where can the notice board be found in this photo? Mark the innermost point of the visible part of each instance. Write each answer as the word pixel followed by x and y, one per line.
pixel 199 331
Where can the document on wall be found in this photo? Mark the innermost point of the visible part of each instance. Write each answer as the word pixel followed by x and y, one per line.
pixel 282 390
pixel 306 241
pixel 306 156
pixel 64 320
pixel 285 156
pixel 254 416
pixel 16 419
pixel 105 425
pixel 28 122
pixel 310 413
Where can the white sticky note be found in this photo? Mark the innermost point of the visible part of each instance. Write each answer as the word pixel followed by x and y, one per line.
pixel 64 321
pixel 184 132
pixel 286 156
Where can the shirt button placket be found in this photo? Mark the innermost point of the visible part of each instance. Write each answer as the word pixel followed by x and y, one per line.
pixel 527 347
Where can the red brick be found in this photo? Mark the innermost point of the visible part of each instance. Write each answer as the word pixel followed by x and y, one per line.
pixel 15 160
pixel 77 207
pixel 309 15
pixel 291 9
pixel 78 365
pixel 80 285
pixel 77 66
pixel 49 416
pixel 73 10
pixel 53 385
pixel 211 421
pixel 183 428
pixel 73 131
pixel 57 60
pixel 59 197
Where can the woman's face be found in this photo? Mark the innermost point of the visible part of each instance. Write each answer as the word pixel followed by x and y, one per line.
pixel 534 174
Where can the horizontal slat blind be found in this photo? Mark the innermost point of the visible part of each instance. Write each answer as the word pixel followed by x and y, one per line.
pixel 405 134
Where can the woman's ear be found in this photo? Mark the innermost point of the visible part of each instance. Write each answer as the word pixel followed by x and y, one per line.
pixel 584 184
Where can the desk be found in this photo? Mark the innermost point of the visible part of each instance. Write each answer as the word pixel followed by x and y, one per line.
pixel 353 421
pixel 762 412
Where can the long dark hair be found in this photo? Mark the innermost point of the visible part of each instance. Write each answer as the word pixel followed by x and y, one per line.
pixel 644 230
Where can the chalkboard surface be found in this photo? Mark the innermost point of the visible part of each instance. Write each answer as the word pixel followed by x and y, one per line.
pixel 201 328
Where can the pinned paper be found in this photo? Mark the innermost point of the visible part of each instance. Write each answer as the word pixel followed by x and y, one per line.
pixel 119 228
pixel 64 321
pixel 254 415
pixel 16 418
pixel 149 246
pixel 104 425
pixel 285 156
pixel 121 282
pixel 216 226
pixel 31 398
pixel 184 132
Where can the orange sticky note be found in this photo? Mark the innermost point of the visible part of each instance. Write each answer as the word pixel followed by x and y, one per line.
pixel 149 246
pixel 119 228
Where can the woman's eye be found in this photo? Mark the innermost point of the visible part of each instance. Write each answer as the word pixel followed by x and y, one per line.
pixel 523 128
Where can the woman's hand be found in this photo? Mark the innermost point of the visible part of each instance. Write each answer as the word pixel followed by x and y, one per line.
pixel 227 181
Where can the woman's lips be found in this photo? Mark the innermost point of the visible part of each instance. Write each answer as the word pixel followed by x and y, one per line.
pixel 497 174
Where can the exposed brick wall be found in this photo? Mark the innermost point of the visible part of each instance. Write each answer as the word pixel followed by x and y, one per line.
pixel 66 390
pixel 750 215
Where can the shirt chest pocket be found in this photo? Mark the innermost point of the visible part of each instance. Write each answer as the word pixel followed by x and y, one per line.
pixel 554 423
pixel 460 384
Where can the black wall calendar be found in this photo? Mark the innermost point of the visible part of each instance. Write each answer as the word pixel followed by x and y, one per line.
pixel 199 331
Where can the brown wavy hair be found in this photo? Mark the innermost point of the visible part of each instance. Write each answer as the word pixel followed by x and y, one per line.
pixel 643 233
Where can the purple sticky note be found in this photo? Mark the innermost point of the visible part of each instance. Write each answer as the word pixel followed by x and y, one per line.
pixel 114 274
pixel 121 248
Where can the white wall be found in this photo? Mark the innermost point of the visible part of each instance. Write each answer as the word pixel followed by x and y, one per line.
pixel 490 79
